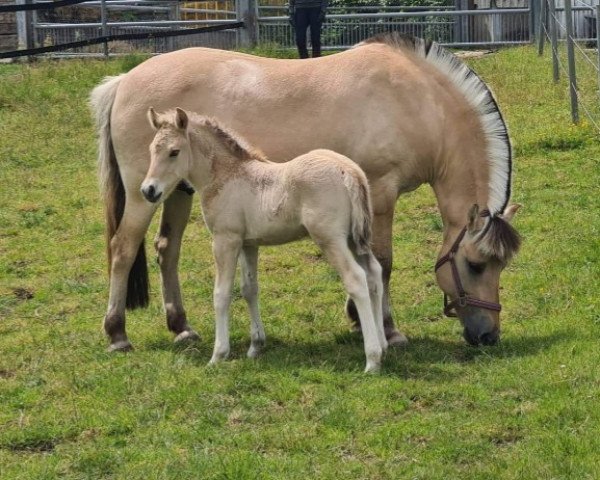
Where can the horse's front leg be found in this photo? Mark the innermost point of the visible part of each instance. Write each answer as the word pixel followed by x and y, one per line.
pixel 382 249
pixel 249 284
pixel 124 247
pixel 226 251
pixel 174 219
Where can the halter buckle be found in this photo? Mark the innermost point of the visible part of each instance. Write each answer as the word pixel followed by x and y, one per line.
pixel 462 300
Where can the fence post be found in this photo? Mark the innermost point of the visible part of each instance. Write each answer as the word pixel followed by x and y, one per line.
pixel 175 16
pixel 571 61
pixel 104 20
pixel 542 34
pixel 598 41
pixel 24 27
pixel 554 41
pixel 245 12
pixel 533 17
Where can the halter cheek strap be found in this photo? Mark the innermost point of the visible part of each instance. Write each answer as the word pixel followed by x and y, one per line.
pixel 463 298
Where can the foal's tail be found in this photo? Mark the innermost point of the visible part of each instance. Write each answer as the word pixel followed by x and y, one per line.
pixel 113 191
pixel 357 185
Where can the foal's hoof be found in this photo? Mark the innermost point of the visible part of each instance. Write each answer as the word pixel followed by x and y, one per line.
pixel 120 346
pixel 186 336
pixel 255 350
pixel 396 339
pixel 373 368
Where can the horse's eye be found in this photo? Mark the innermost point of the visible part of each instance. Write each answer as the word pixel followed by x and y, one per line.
pixel 173 153
pixel 476 268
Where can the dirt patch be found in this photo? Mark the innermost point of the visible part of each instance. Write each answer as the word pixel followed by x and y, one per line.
pixel 23 293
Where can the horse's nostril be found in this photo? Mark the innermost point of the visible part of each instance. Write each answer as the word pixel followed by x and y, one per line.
pixel 150 191
pixel 490 338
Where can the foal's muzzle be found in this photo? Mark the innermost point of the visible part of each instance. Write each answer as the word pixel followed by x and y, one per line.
pixel 150 193
pixel 477 338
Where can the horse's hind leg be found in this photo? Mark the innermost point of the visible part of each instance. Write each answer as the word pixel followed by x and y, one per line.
pixel 373 271
pixel 249 287
pixel 354 278
pixel 175 216
pixel 124 246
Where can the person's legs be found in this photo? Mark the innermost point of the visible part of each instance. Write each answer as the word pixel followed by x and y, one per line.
pixel 301 24
pixel 315 30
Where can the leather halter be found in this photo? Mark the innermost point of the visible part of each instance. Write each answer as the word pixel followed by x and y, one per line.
pixel 463 299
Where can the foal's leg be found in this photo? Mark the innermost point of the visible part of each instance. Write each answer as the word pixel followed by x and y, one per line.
pixel 382 248
pixel 249 284
pixel 226 251
pixel 124 247
pixel 373 271
pixel 175 216
pixel 355 280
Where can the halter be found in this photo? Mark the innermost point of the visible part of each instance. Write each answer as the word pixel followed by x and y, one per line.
pixel 463 299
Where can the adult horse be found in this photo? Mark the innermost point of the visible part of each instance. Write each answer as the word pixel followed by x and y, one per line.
pixel 408 112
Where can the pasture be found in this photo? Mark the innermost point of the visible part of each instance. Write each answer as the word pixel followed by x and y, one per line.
pixel 528 408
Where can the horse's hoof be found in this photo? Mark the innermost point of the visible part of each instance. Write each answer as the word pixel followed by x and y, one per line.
pixel 396 339
pixel 120 346
pixel 186 336
pixel 373 367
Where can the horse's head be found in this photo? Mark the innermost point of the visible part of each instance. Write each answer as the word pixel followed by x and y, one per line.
pixel 170 154
pixel 468 271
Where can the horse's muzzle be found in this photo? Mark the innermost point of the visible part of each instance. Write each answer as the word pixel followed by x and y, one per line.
pixel 151 194
pixel 476 338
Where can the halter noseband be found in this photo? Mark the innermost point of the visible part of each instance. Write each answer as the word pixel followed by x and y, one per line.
pixel 463 299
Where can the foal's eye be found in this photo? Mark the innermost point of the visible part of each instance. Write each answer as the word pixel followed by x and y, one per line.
pixel 173 153
pixel 476 268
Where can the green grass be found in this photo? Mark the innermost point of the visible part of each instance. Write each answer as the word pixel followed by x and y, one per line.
pixel 526 409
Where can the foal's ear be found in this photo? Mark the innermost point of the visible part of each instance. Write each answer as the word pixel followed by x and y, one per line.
pixel 153 119
pixel 474 221
pixel 181 119
pixel 509 212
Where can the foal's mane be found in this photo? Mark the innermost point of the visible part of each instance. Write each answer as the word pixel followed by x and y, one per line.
pixel 479 96
pixel 237 145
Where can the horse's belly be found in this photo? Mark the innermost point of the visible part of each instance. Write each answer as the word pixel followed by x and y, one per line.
pixel 269 231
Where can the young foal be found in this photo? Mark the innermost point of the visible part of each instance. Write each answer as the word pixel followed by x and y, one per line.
pixel 249 201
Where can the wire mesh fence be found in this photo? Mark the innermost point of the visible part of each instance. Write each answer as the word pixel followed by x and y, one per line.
pixel 574 46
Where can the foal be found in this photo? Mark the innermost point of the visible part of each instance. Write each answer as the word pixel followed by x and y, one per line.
pixel 248 201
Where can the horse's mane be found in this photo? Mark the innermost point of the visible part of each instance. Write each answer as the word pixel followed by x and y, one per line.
pixel 499 239
pixel 237 145
pixel 480 97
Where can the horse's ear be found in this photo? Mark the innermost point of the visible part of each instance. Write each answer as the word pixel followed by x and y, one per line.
pixel 181 119
pixel 153 119
pixel 474 220
pixel 509 212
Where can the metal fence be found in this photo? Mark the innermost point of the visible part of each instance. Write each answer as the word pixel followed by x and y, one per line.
pixel 91 19
pixel 572 30
pixel 347 26
pixel 344 26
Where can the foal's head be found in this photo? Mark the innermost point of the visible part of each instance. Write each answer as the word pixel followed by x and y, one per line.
pixel 469 272
pixel 170 154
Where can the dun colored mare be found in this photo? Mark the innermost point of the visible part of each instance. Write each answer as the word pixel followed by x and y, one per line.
pixel 406 111
pixel 248 201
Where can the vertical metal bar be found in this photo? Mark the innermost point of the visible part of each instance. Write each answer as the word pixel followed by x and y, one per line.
pixel 571 62
pixel 598 41
pixel 533 14
pixel 554 41
pixel 25 34
pixel 104 20
pixel 542 34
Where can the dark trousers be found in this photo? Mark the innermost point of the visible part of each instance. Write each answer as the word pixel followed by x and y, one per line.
pixel 304 18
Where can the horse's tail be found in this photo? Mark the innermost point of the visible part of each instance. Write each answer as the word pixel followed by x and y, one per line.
pixel 357 185
pixel 113 190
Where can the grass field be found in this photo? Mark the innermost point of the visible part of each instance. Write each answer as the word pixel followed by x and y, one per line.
pixel 526 409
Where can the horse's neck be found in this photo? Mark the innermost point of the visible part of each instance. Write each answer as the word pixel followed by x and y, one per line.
pixel 212 162
pixel 463 184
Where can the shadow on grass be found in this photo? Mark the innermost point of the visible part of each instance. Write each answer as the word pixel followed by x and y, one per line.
pixel 424 358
